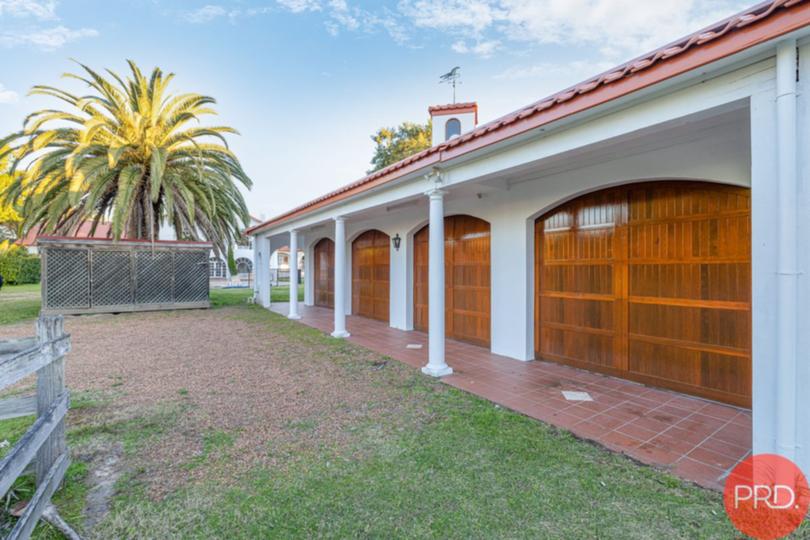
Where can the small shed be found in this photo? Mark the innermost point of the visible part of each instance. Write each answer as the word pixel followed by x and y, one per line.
pixel 86 275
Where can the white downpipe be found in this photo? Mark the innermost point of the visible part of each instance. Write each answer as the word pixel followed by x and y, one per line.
pixel 293 314
pixel 436 366
pixel 787 262
pixel 340 279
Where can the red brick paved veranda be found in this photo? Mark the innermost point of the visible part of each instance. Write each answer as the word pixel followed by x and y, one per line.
pixel 695 439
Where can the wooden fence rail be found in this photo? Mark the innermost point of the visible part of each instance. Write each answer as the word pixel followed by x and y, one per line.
pixel 43 445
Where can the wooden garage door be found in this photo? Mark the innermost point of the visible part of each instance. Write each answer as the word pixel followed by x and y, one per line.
pixel 650 282
pixel 466 279
pixel 370 269
pixel 325 273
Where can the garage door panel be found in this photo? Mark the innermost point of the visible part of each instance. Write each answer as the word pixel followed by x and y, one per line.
pixel 729 374
pixel 596 314
pixel 717 327
pixel 586 277
pixel 577 347
pixel 467 279
pixel 664 362
pixel 324 278
pixel 370 278
pixel 676 258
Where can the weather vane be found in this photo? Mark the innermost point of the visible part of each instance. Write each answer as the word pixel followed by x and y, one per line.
pixel 452 77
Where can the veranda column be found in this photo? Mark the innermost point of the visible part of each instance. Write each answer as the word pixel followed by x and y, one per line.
pixel 436 366
pixel 293 276
pixel 257 258
pixel 340 279
pixel 262 271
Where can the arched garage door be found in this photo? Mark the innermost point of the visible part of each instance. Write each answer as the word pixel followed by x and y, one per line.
pixel 324 273
pixel 370 270
pixel 466 279
pixel 651 282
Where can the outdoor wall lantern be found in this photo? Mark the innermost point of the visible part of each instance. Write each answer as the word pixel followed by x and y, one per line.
pixel 396 241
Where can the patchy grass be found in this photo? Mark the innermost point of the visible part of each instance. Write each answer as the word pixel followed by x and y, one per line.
pixel 229 297
pixel 19 303
pixel 69 499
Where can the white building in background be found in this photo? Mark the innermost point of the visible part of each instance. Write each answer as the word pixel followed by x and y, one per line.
pixel 649 223
pixel 218 271
pixel 280 265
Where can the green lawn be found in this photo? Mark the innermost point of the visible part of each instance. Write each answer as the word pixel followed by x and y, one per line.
pixel 20 303
pixel 282 293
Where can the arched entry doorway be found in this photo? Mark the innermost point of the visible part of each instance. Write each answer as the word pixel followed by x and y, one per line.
pixel 324 277
pixel 370 275
pixel 466 279
pixel 650 282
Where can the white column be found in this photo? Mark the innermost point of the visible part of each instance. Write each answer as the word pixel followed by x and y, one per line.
pixel 257 257
pixel 263 271
pixel 340 279
pixel 436 366
pixel 293 276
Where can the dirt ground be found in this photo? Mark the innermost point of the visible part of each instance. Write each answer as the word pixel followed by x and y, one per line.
pixel 225 382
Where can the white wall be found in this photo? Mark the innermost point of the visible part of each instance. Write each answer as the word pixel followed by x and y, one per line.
pixel 467 121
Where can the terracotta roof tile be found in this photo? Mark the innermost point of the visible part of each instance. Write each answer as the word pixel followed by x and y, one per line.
pixel 690 43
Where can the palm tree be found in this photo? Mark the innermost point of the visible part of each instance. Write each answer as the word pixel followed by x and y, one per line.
pixel 132 153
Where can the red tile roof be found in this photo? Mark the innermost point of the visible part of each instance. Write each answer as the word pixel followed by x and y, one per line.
pixel 453 107
pixel 103 230
pixel 758 24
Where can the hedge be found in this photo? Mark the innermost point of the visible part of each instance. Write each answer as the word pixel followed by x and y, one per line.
pixel 18 267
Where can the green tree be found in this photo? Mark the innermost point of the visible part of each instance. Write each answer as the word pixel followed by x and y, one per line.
pixel 10 218
pixel 395 144
pixel 130 152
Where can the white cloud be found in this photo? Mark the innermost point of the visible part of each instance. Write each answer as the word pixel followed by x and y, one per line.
pixel 7 96
pixel 471 16
pixel 43 10
pixel 616 27
pixel 28 29
pixel 45 38
pixel 205 14
pixel 484 49
pixel 300 6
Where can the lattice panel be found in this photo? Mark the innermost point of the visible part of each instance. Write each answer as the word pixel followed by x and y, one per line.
pixel 112 278
pixel 67 284
pixel 190 276
pixel 153 277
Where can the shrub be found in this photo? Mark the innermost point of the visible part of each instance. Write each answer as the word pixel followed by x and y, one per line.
pixel 18 267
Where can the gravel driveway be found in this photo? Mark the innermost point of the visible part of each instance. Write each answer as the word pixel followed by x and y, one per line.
pixel 271 388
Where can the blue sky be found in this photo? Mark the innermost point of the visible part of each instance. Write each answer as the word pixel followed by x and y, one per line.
pixel 306 82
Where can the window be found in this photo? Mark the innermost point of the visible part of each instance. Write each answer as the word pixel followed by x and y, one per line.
pixel 216 268
pixel 244 266
pixel 452 128
pixel 283 260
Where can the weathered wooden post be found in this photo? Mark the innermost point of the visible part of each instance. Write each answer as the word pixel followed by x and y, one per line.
pixel 50 387
pixel 44 443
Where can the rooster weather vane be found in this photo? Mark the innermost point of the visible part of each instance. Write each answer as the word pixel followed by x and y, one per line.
pixel 452 77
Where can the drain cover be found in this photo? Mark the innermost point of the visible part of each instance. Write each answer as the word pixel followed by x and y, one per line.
pixel 576 396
